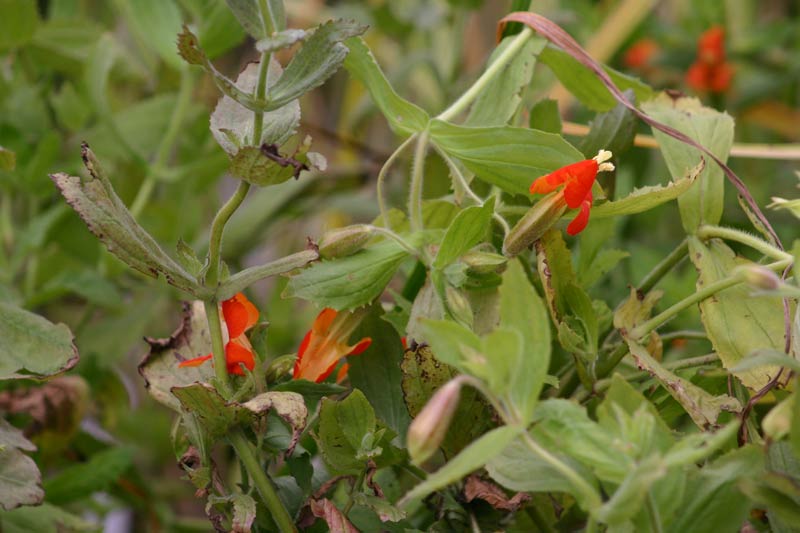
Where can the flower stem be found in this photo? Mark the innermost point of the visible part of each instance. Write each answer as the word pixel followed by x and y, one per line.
pixel 217 347
pixel 262 483
pixel 395 237
pixel 417 180
pixel 382 179
pixel 646 327
pixel 709 232
pixel 489 74
pixel 663 268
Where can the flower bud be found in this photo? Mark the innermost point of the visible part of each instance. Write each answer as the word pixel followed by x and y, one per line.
pixel 459 306
pixel 427 430
pixel 484 262
pixel 760 277
pixel 539 218
pixel 345 241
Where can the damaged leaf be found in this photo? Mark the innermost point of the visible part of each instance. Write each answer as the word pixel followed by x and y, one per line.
pixel 21 481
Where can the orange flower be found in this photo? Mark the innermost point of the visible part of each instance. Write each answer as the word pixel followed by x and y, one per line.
pixel 239 315
pixel 577 179
pixel 640 53
pixel 326 343
pixel 710 72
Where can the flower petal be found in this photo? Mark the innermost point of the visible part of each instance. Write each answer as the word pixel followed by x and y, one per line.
pixel 549 182
pixel 197 361
pixel 300 352
pixel 580 181
pixel 323 321
pixel 360 346
pixel 579 222
pixel 236 354
pixel 236 317
pixel 341 375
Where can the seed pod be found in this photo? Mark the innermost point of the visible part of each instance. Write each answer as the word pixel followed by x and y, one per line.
pixel 484 262
pixel 539 218
pixel 427 430
pixel 345 241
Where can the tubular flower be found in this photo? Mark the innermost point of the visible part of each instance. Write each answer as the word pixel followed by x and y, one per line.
pixel 239 315
pixel 326 343
pixel 710 71
pixel 577 180
pixel 640 54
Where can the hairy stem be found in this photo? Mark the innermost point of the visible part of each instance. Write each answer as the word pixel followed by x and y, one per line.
pixel 262 483
pixel 382 179
pixel 417 181
pixel 217 347
pixel 489 74
pixel 730 234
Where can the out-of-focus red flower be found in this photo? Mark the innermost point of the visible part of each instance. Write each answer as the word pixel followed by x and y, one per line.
pixel 325 344
pixel 710 72
pixel 640 53
pixel 239 315
pixel 577 180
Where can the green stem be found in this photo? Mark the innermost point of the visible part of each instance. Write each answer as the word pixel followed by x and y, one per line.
pixel 417 181
pixel 167 143
pixel 218 227
pixel 351 497
pixel 592 498
pixel 709 232
pixel 591 525
pixel 382 179
pixel 489 74
pixel 646 327
pixel 262 483
pixel 217 347
pixel 652 512
pixel 395 237
pixel 663 268
pixel 684 334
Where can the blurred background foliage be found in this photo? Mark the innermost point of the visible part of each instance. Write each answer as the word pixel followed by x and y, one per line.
pixel 106 72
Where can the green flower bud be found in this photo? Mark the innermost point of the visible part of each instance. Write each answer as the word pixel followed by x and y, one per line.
pixel 345 241
pixel 484 262
pixel 539 218
pixel 459 306
pixel 760 277
pixel 427 430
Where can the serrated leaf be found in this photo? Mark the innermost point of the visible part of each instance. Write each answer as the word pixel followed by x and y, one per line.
pixel 470 459
pixel 33 347
pixel 630 495
pixel 703 408
pixel 468 229
pixel 265 166
pixel 214 415
pixel 351 281
pixel 318 59
pixel 107 217
pixel 500 99
pixel 21 480
pixel 737 324
pixel 648 197
pixel 249 16
pixel 403 116
pixel 79 481
pixel 280 40
pixel 508 157
pixel 702 204
pixel 585 85
pixel 232 123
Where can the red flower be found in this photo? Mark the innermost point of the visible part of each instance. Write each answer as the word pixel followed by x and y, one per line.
pixel 326 343
pixel 710 72
pixel 577 179
pixel 640 53
pixel 239 315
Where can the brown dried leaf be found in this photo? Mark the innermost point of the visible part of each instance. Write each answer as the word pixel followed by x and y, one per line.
pixel 337 523
pixel 477 488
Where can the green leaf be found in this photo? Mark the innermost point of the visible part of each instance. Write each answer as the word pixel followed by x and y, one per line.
pixel 630 495
pixel 81 480
pixel 213 414
pixel 158 22
pixel 584 84
pixel 18 22
pixel 33 347
pixel 737 324
pixel 714 130
pixel 545 116
pixel 351 281
pixel 107 217
pixel 508 157
pixel 308 389
pixel 218 29
pixel 453 344
pixel 522 310
pixel 342 428
pixel 377 371
pixel 622 395
pixel 702 407
pixel 281 40
pixel 613 130
pixel 648 197
pixel 500 99
pixel 249 16
pixel 767 358
pixel 21 478
pixel 88 284
pixel 232 123
pixel 264 168
pixel 318 59
pixel 403 116
pixel 43 518
pixel 470 459
pixel 159 368
pixel 468 229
